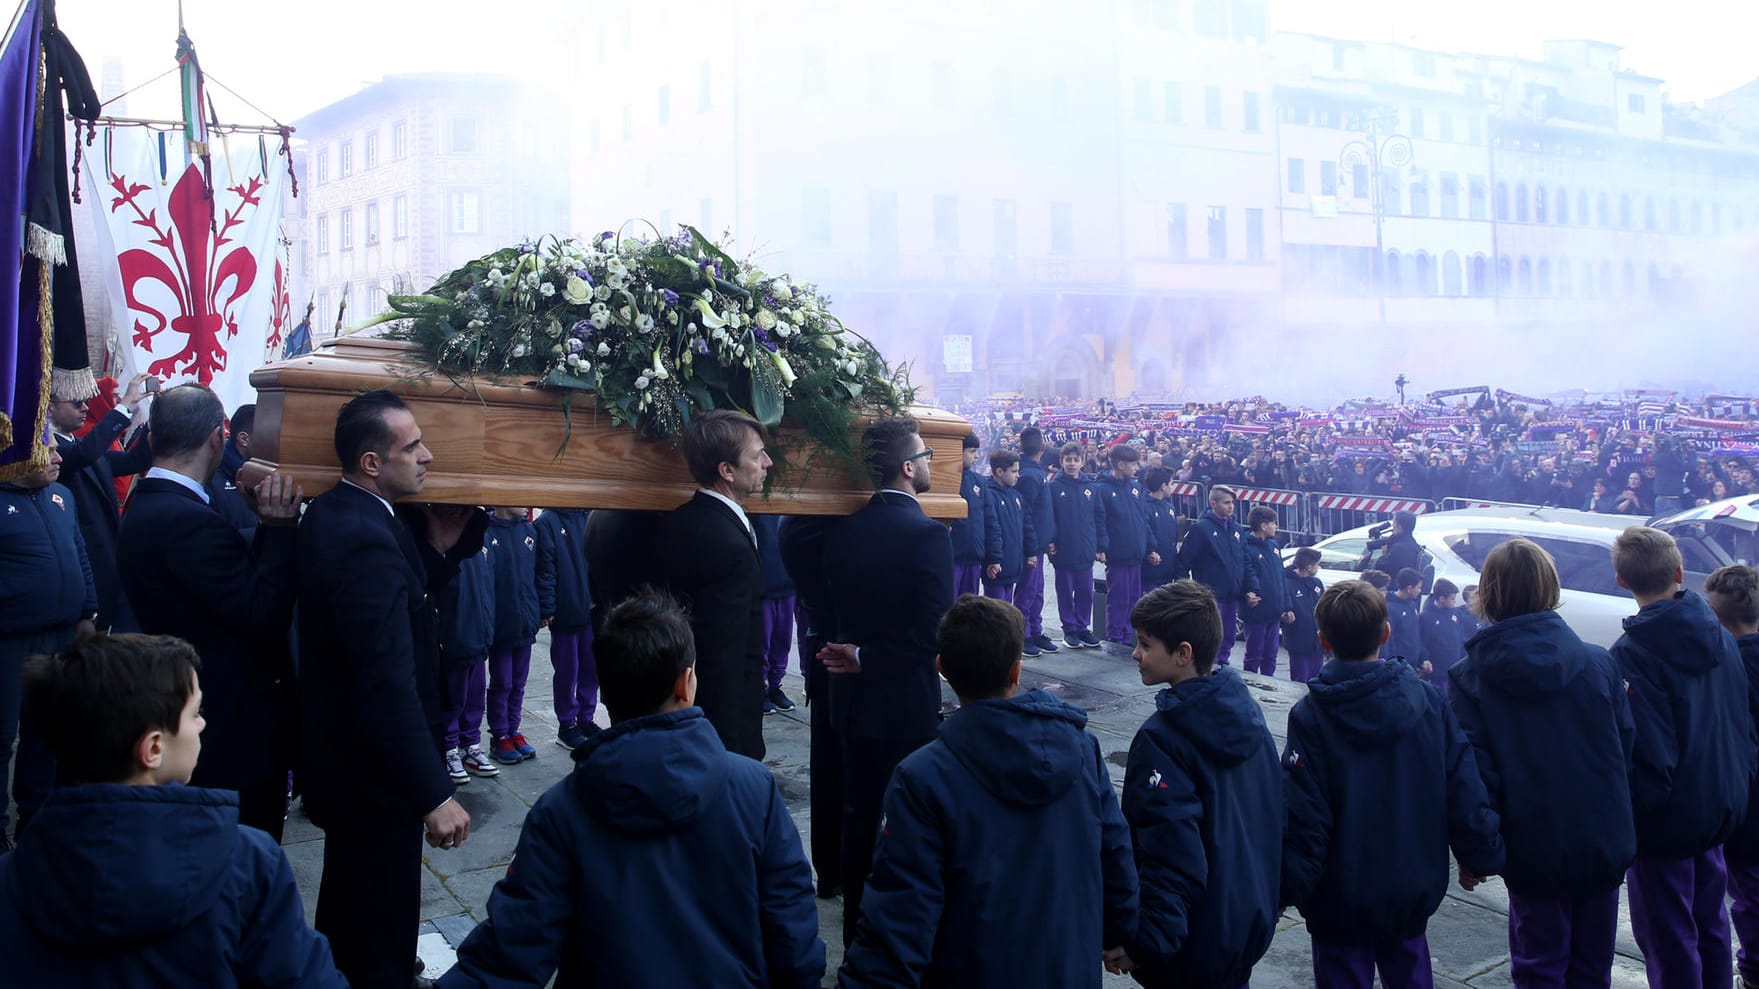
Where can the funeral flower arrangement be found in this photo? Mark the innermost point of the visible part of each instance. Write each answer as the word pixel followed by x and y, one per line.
pixel 656 329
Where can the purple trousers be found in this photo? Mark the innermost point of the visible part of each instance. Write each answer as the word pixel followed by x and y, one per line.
pixel 1743 911
pixel 509 668
pixel 778 638
pixel 1554 944
pixel 1230 609
pixel 468 686
pixel 1001 592
pixel 1075 597
pixel 1304 668
pixel 1123 588
pixel 1680 921
pixel 1029 598
pixel 1402 965
pixel 1262 643
pixel 967 579
pixel 576 686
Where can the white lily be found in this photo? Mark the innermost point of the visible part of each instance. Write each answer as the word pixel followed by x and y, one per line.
pixel 710 318
pixel 783 368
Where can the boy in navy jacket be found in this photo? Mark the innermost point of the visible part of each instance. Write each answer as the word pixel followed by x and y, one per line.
pixel 1163 526
pixel 1404 611
pixel 1302 588
pixel 129 877
pixel 1203 795
pixel 512 543
pixel 658 828
pixel 1029 595
pixel 1073 551
pixel 778 612
pixel 1214 555
pixel 974 538
pixel 1264 620
pixel 1733 593
pixel 1443 629
pixel 1380 782
pixel 1011 770
pixel 565 608
pixel 1125 541
pixel 467 633
pixel 1691 767
pixel 1014 526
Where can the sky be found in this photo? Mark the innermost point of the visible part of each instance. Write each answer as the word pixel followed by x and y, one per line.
pixel 290 59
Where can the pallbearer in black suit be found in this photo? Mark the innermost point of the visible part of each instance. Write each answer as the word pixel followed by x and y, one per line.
pixel 802 542
pixel 189 573
pixel 369 676
pixel 707 557
pixel 890 571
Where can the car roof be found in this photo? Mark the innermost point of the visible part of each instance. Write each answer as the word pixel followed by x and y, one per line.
pixel 1542 517
pixel 1742 510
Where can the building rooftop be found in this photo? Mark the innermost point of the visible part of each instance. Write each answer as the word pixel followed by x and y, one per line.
pixel 402 85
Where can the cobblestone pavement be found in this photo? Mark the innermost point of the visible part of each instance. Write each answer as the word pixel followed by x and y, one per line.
pixel 1468 937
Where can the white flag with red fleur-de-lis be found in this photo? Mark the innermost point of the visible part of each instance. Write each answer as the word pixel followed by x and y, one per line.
pixel 198 287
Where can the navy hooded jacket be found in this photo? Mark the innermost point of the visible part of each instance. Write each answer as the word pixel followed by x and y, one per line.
pixel 1204 798
pixel 562 592
pixel 1214 555
pixel 1442 634
pixel 1264 560
pixel 1121 521
pixel 467 611
pixel 777 583
pixel 1406 639
pixel 1074 519
pixel 1014 527
pixel 1163 527
pixel 658 828
pixel 951 902
pixel 1743 845
pixel 1033 491
pixel 1563 796
pixel 513 552
pixel 45 577
pixel 153 886
pixel 975 539
pixel 1695 752
pixel 1380 783
pixel 1302 596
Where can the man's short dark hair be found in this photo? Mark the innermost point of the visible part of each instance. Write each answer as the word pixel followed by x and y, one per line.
pixel 714 438
pixel 970 442
pixel 1183 611
pixel 646 643
pixel 1003 460
pixel 94 700
pixel 1405 520
pixel 183 418
pixel 1259 515
pixel 245 419
pixel 1351 615
pixel 980 640
pixel 361 428
pixel 1306 556
pixel 884 445
pixel 1154 477
pixel 1031 442
pixel 1123 453
pixel 1407 578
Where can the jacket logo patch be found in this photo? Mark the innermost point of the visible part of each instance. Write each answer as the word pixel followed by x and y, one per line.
pixel 1292 760
pixel 1155 782
pixel 977 489
pixel 493 542
pixel 530 543
pixel 1088 492
pixel 58 502
pixel 12 509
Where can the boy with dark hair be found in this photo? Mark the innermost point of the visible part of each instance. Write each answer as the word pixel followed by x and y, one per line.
pixel 1214 555
pixel 1014 526
pixel 778 612
pixel 658 827
pixel 564 598
pixel 1030 593
pixel 1733 593
pixel 1470 622
pixel 1370 745
pixel 1163 526
pixel 1404 609
pixel 1300 634
pixel 1264 620
pixel 1125 540
pixel 131 877
pixel 1380 580
pixel 513 553
pixel 1442 634
pixel 1202 795
pixel 1073 551
pixel 1691 767
pixel 1011 770
pixel 466 608
pixel 975 539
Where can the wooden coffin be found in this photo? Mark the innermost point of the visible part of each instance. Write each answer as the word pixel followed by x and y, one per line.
pixel 498 443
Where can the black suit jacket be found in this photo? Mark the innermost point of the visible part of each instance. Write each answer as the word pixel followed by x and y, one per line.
pixel 189 573
pixel 890 570
pixel 372 703
pixel 802 544
pixel 89 468
pixel 619 557
pixel 707 558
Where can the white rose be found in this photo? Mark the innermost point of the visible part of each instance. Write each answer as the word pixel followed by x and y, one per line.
pixel 672 317
pixel 602 293
pixel 604 349
pixel 641 382
pixel 576 291
pixel 601 319
pixel 766 320
pixel 519 350
pixel 644 323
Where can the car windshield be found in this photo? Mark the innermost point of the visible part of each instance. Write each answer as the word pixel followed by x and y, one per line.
pixel 1343 553
pixel 1473 547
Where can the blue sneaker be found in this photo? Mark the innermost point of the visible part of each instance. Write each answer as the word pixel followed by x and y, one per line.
pixel 1073 641
pixel 1045 645
pixel 1030 648
pixel 524 747
pixel 1088 639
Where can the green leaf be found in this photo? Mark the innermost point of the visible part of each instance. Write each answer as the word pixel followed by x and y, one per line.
pixel 766 394
pixel 699 394
pixel 558 378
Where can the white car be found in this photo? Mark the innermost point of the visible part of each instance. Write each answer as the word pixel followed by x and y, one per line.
pixel 1732 524
pixel 1580 542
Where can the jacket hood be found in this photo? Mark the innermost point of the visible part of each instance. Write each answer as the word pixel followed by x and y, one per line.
pixel 1682 630
pixel 497 522
pixel 652 775
pixel 1027 750
pixel 1209 513
pixel 109 867
pixel 1217 714
pixel 1369 701
pixel 1535 653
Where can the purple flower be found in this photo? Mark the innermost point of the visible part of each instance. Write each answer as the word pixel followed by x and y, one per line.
pixel 581 330
pixel 584 275
pixel 576 345
pixel 762 337
pixel 705 264
pixel 607 235
pixel 670 296
pixel 701 346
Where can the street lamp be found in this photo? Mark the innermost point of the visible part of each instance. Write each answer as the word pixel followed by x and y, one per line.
pixel 1382 147
pixel 1400 382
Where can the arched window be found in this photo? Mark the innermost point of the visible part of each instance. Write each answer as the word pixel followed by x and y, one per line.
pixel 1524 277
pixel 1504 277
pixel 1649 213
pixel 1395 278
pixel 1475 277
pixel 1539 204
pixel 1625 210
pixel 1521 203
pixel 1450 274
pixel 1502 200
pixel 1582 216
pixel 1392 194
pixel 1630 279
pixel 1543 287
pixel 1606 279
pixel 1566 279
pixel 1563 207
pixel 1425 270
pixel 1603 211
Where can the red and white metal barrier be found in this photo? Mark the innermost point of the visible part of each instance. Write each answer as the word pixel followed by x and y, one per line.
pixel 1292 517
pixel 1331 514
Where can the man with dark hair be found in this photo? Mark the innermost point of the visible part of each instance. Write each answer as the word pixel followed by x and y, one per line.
pixel 191 574
pixel 1126 540
pixel 1009 770
pixel 1029 596
pixel 374 710
pixel 706 555
pixel 657 828
pixel 890 571
pixel 187 896
pixel 238 443
pixel 89 469
pixel 1398 551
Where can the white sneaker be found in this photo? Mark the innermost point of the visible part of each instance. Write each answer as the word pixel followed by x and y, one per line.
pixel 477 762
pixel 455 767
